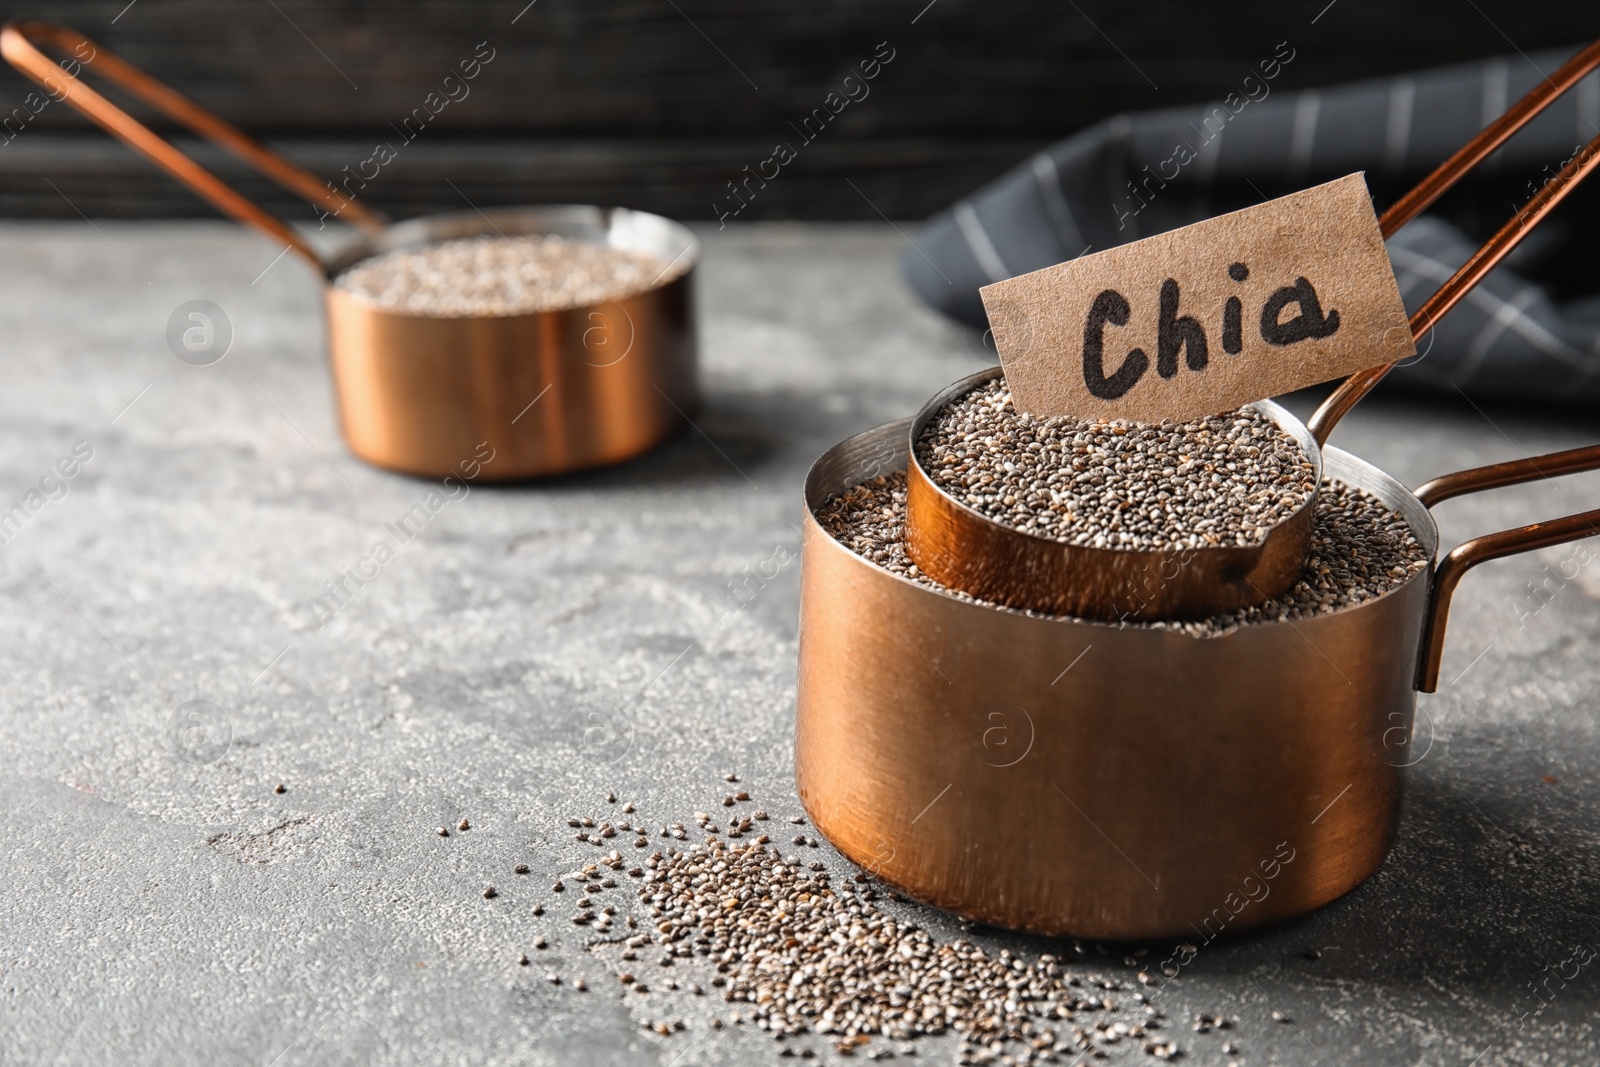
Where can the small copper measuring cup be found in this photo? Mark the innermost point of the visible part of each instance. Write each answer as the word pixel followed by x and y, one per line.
pixel 965 550
pixel 550 391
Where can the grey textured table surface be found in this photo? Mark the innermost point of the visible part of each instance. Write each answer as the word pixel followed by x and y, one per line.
pixel 158 908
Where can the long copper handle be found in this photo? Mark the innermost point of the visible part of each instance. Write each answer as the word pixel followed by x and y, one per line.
pixel 1496 545
pixel 1515 472
pixel 1408 207
pixel 19 43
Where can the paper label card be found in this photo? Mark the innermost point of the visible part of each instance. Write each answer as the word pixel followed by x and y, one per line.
pixel 1202 319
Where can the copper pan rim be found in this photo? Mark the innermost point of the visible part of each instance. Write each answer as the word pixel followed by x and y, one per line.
pixel 1192 756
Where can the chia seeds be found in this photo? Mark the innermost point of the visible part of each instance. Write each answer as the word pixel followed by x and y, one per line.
pixel 1221 480
pixel 1359 550
pixel 793 952
pixel 495 275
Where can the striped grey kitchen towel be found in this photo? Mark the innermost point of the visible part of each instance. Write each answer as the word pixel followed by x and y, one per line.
pixel 1529 331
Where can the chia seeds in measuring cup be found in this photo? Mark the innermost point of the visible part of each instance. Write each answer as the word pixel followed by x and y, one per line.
pixel 1221 480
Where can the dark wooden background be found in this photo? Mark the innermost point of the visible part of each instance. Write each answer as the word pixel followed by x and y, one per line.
pixel 657 103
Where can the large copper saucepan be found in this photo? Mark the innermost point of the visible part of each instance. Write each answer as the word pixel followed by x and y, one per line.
pixel 1064 776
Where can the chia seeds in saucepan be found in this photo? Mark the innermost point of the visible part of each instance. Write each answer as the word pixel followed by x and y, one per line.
pixel 1221 480
pixel 503 276
pixel 1360 549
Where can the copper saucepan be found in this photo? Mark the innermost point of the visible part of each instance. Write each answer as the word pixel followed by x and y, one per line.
pixel 1066 776
pixel 551 391
pixel 966 550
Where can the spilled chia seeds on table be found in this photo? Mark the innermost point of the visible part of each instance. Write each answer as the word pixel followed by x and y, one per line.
pixel 733 933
